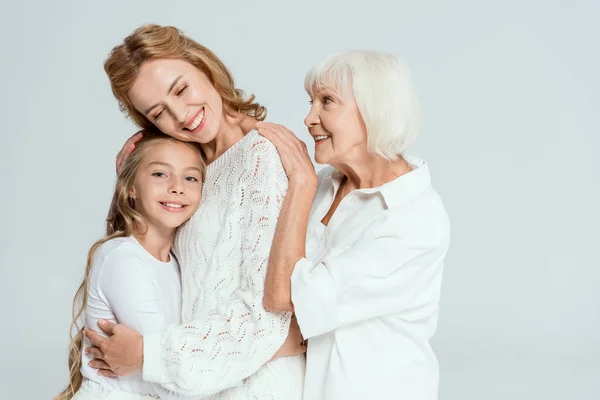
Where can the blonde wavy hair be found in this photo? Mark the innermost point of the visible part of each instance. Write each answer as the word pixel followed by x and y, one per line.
pixel 123 220
pixel 151 42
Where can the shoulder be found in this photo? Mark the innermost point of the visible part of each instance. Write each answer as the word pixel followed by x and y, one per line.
pixel 428 215
pixel 118 256
pixel 262 161
pixel 422 222
pixel 255 144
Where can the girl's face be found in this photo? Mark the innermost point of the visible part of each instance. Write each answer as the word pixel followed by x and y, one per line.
pixel 167 186
pixel 178 99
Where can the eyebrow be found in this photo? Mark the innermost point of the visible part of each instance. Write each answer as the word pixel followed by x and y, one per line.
pixel 195 168
pixel 160 163
pixel 167 165
pixel 168 91
pixel 328 90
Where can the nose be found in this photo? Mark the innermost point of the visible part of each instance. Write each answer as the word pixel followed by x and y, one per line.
pixel 176 187
pixel 312 118
pixel 180 112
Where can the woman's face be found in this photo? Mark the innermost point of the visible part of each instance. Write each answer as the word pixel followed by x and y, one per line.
pixel 178 99
pixel 335 124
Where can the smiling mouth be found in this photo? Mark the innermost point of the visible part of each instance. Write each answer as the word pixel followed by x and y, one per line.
pixel 173 207
pixel 197 121
pixel 321 138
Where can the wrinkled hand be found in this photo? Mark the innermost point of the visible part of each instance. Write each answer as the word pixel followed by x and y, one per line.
pixel 294 343
pixel 292 151
pixel 121 354
pixel 127 149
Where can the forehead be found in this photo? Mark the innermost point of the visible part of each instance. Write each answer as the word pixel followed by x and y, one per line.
pixel 342 91
pixel 333 75
pixel 173 152
pixel 155 78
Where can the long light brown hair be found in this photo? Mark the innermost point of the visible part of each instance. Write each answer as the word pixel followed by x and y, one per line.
pixel 123 220
pixel 152 42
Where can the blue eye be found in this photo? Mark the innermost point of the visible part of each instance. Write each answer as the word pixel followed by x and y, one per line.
pixel 327 100
pixel 159 174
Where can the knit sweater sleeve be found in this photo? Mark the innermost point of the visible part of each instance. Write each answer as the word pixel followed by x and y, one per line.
pixel 228 344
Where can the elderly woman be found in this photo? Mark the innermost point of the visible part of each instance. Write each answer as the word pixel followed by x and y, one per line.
pixel 359 249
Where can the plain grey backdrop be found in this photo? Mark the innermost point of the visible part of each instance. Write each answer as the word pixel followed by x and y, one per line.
pixel 510 99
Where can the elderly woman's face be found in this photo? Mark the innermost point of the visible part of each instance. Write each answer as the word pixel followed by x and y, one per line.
pixel 335 124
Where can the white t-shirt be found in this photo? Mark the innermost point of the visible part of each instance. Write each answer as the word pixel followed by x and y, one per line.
pixel 366 295
pixel 127 285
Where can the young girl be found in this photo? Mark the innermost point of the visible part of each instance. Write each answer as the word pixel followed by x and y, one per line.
pixel 131 276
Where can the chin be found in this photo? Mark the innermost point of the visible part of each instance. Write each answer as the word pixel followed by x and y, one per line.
pixel 174 223
pixel 205 136
pixel 321 159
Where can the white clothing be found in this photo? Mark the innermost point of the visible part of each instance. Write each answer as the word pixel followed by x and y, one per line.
pixel 129 286
pixel 366 295
pixel 91 390
pixel 227 337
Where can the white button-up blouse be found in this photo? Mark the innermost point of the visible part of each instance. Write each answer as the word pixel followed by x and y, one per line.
pixel 366 295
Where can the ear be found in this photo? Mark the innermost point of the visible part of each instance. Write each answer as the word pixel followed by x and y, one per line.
pixel 132 193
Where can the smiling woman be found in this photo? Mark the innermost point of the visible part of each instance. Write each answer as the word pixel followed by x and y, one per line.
pixel 359 250
pixel 227 341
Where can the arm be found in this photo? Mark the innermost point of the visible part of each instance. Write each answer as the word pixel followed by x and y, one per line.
pixel 289 245
pixel 289 242
pixel 127 284
pixel 234 341
pixel 388 270
pixel 385 272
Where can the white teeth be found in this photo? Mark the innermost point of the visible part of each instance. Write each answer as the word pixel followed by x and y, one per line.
pixel 196 121
pixel 173 205
pixel 319 138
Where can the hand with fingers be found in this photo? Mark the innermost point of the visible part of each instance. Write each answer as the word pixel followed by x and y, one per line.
pixel 127 149
pixel 121 354
pixel 292 151
pixel 294 343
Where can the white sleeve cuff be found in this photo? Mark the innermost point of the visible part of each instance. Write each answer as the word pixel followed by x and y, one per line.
pixel 313 296
pixel 153 369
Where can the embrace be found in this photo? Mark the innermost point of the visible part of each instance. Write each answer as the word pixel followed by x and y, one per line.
pixel 230 269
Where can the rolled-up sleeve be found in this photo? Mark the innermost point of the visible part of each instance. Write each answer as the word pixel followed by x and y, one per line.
pixel 381 274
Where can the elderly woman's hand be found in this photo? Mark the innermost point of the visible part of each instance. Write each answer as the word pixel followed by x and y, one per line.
pixel 293 152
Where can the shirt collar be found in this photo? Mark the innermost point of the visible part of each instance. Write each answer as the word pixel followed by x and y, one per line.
pixel 401 190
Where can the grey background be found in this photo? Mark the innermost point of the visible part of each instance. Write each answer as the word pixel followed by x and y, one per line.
pixel 510 97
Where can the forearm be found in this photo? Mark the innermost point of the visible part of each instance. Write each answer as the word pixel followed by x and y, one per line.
pixel 215 353
pixel 289 245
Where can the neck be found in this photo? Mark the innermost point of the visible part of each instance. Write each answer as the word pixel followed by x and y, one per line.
pixel 157 241
pixel 231 130
pixel 368 171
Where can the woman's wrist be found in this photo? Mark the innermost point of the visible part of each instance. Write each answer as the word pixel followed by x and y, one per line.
pixel 306 184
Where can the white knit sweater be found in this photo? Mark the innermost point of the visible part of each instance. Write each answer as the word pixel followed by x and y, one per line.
pixel 228 338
